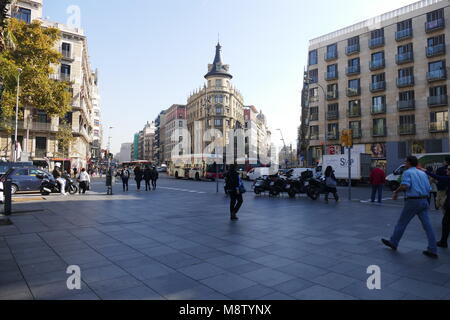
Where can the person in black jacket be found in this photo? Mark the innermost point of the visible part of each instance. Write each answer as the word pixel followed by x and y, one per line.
pixel 331 183
pixel 232 183
pixel 154 177
pixel 138 174
pixel 147 177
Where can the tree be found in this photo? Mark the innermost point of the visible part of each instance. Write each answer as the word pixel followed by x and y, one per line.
pixel 34 53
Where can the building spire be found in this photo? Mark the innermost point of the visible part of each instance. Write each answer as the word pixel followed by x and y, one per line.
pixel 218 68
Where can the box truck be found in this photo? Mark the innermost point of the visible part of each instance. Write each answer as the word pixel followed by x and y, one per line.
pixel 360 169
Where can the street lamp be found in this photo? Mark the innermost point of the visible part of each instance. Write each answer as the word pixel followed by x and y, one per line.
pixel 17 113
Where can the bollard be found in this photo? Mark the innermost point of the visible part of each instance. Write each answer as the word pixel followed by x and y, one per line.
pixel 7 196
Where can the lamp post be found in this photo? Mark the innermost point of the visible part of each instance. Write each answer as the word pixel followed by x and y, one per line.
pixel 17 113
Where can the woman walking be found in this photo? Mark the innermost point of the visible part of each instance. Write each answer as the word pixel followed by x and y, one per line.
pixel 233 187
pixel 138 174
pixel 84 180
pixel 155 176
pixel 147 178
pixel 331 184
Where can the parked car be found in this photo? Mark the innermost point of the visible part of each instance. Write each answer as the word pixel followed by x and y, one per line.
pixel 5 166
pixel 26 178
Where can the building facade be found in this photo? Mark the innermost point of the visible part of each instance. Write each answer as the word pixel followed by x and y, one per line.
pixel 37 133
pixel 384 78
pixel 175 122
pixel 257 136
pixel 125 152
pixel 158 147
pixel 97 135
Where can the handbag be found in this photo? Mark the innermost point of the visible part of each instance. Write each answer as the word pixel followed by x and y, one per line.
pixel 241 187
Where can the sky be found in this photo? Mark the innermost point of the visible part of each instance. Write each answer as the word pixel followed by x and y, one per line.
pixel 151 54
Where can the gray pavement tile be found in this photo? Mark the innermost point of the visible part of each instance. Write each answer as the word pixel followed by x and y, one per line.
pixel 445 268
pixel 199 292
pixel 236 249
pixel 226 261
pixel 115 284
pixel 202 271
pixel 157 251
pixel 250 293
pixel 24 294
pixel 360 290
pixel 303 271
pixel 135 293
pixel 268 277
pixel 130 255
pixel 419 288
pixel 317 240
pixel 54 290
pixel 177 260
pixel 43 267
pixel 149 271
pixel 8 266
pixel 334 281
pixel 135 262
pixel 10 276
pixel 293 285
pixel 171 283
pixel 48 277
pixel 319 261
pixel 245 268
pixel 273 261
pixel 81 297
pixel 345 232
pixel 102 273
pixel 276 296
pixel 321 293
pixel 13 288
pixel 227 283
pixel 27 261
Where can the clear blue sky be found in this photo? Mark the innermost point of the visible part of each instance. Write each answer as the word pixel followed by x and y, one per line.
pixel 153 53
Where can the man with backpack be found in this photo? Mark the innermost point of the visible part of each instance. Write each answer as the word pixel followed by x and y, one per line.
pixel 125 175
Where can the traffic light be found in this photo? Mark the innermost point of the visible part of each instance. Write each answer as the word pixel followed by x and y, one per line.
pixel 347 138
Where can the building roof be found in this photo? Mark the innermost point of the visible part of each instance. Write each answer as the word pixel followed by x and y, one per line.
pixel 217 68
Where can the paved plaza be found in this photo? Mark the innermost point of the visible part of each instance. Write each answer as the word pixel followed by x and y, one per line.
pixel 178 243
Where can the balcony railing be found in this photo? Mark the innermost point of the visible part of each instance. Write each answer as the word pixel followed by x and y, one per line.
pixel 331 75
pixel 404 34
pixel 332 136
pixel 440 126
pixel 377 64
pixel 438 101
pixel 36 126
pixel 403 82
pixel 436 75
pixel 378 109
pixel 67 54
pixel 404 58
pixel 314 99
pixel 352 49
pixel 353 70
pixel 378 86
pixel 332 95
pixel 332 115
pixel 437 50
pixel 376 42
pixel 314 117
pixel 351 92
pixel 379 132
pixel 404 105
pixel 406 128
pixel 314 137
pixel 354 112
pixel 40 153
pixel 332 55
pixel 434 25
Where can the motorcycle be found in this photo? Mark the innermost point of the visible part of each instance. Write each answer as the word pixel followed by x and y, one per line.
pixel 316 187
pixel 297 186
pixel 52 186
pixel 261 185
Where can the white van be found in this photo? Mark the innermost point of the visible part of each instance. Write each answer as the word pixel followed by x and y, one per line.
pixel 257 173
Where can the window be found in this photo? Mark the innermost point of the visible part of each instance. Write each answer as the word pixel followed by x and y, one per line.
pixel 436 46
pixel 439 121
pixel 407 124
pixel 314 113
pixel 218 83
pixel 379 127
pixel 404 25
pixel 435 20
pixel 314 132
pixel 376 38
pixel 438 91
pixel 23 14
pixel 333 131
pixel 219 110
pixel 353 66
pixel 404 30
pixel 312 58
pixel 406 95
pixel 332 68
pixel 180 124
pixel 332 91
pixel 436 71
pixel 378 104
pixel 21 172
pixel 377 60
pixel 377 34
pixel 434 41
pixel 217 122
pixel 406 72
pixel 96 133
pixel 352 45
pixel 355 126
pixel 376 78
pixel 353 87
pixel 333 111
pixel 314 94
pixel 354 108
pixel 65 72
pixel 314 76
pixel 66 50
pixel 435 15
pixel 41 143
pixel 332 52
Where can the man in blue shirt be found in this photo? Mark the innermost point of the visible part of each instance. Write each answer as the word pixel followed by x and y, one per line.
pixel 417 187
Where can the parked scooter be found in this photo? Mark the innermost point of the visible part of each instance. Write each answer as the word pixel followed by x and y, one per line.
pixel 261 185
pixel 299 185
pixel 316 187
pixel 52 186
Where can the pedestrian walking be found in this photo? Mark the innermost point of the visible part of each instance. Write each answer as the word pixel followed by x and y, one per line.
pixel 83 181
pixel 442 190
pixel 154 177
pixel 331 184
pixel 377 180
pixel 445 181
pixel 125 176
pixel 138 175
pixel 234 187
pixel 148 173
pixel 417 187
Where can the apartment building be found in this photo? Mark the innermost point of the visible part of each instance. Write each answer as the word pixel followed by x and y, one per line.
pixel 175 122
pixel 257 135
pixel 97 134
pixel 37 131
pixel 386 78
pixel 158 146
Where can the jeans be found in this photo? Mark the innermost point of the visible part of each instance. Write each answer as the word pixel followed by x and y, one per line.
pixel 412 208
pixel 147 185
pixel 377 188
pixel 138 183
pixel 236 201
pixel 82 187
pixel 125 184
pixel 154 184
pixel 446 226
pixel 332 190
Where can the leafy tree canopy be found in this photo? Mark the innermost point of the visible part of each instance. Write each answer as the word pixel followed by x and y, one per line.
pixel 34 52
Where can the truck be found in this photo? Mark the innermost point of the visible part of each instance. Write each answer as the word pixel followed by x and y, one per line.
pixel 360 169
pixel 434 160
